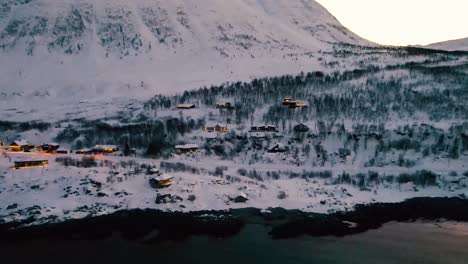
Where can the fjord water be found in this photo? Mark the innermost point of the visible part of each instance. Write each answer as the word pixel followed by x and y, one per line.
pixel 393 243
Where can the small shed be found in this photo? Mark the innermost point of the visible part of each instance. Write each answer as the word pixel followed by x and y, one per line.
pixel 185 106
pixel 277 148
pixel 301 128
pixel 240 198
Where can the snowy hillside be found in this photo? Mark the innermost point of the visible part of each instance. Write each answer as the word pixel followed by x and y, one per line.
pixel 451 45
pixel 85 49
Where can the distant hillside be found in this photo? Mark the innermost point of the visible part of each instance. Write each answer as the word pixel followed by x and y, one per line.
pixel 100 48
pixel 451 45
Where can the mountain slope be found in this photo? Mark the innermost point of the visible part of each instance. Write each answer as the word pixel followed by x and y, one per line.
pixel 451 45
pixel 82 49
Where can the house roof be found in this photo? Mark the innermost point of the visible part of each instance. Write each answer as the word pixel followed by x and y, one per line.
pixel 185 105
pixel 164 177
pixel 105 147
pixel 243 195
pixel 21 142
pixel 187 146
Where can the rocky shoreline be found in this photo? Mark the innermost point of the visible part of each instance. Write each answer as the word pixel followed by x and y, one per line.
pixel 152 226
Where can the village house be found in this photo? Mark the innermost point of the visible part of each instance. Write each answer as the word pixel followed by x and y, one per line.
pixel 84 151
pixel 49 147
pixel 217 128
pixel 240 198
pixel 105 149
pixel 30 164
pixel 162 181
pixel 293 103
pixel 21 145
pixel 188 148
pixel 296 104
pixel 263 129
pixel 301 128
pixel 226 105
pixel 185 106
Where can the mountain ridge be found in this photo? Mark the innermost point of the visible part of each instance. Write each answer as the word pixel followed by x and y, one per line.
pixel 105 48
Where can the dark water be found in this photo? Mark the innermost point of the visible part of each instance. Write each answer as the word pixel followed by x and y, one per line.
pixel 394 243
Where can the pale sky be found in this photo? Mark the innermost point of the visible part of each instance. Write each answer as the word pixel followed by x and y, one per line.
pixel 402 22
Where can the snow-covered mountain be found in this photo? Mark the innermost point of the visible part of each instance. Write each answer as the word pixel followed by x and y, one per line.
pixel 451 45
pixel 83 49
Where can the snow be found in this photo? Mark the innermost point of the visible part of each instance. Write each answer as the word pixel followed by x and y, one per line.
pixel 164 177
pixel 21 142
pixel 187 146
pixel 63 191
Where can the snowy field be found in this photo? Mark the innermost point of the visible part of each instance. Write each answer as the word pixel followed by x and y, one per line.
pixel 58 192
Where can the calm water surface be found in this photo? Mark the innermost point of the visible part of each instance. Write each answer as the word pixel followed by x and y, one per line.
pixel 394 243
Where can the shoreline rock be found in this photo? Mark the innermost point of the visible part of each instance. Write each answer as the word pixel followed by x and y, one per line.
pixel 138 225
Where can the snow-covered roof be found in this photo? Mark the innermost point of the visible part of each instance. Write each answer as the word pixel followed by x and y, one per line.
pixel 241 194
pixel 105 147
pixel 185 105
pixel 21 142
pixel 154 170
pixel 164 177
pixel 187 146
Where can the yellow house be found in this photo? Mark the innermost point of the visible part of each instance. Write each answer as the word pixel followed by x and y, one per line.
pixel 189 148
pixel 217 128
pixel 105 149
pixel 30 164
pixel 21 145
pixel 164 181
pixel 286 101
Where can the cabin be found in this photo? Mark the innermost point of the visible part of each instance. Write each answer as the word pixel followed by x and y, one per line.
pixel 286 101
pixel 277 148
pixel 164 181
pixel 105 149
pixel 188 148
pixel 84 151
pixel 21 145
pixel 226 105
pixel 263 129
pixel 296 104
pixel 185 106
pixel 49 148
pixel 301 128
pixel 217 128
pixel 30 164
pixel 240 198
